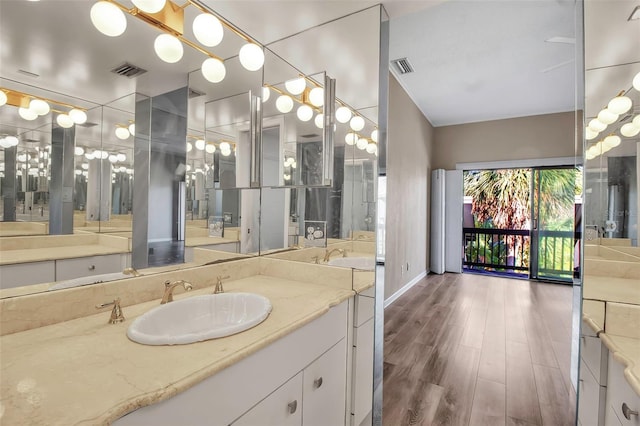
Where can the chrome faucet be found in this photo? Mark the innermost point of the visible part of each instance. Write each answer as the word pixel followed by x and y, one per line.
pixel 131 271
pixel 168 289
pixel 219 289
pixel 328 253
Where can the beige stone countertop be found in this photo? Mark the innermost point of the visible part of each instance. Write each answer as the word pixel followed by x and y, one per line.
pixel 87 372
pixel 54 253
pixel 204 241
pixel 626 350
pixel 611 289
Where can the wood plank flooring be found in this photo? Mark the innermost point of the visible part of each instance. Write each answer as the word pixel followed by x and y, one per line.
pixel 463 349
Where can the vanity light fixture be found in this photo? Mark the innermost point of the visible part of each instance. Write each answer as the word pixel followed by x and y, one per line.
pixel 3 97
pixel 31 107
pixel 210 148
pixel 296 86
pixel 606 116
pixel 596 125
pixel 266 94
pixel 590 134
pixel 611 141
pixel 316 96
pixel 357 123
pixel 636 83
pixel 284 104
pixel 200 144
pixel 109 17
pixel 78 150
pixel 374 136
pixel 343 114
pixel 351 139
pixel 619 105
pixel 629 130
pixel 362 143
pixel 9 141
pixel 122 133
pixel 372 148
pixel 304 113
pixel 64 121
pixel 319 121
pixel 189 146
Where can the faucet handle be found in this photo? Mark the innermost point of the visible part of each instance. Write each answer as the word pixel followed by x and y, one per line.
pixel 116 313
pixel 219 288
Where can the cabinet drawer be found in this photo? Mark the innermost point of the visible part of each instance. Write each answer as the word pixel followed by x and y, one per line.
pixel 619 392
pixel 19 274
pixel 591 406
pixel 324 388
pixel 67 269
pixel 595 356
pixel 611 419
pixel 281 408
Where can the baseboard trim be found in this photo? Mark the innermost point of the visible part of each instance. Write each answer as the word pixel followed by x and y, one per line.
pixel 404 289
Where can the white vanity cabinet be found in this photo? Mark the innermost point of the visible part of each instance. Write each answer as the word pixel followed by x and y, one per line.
pixel 593 379
pixel 623 404
pixel 362 369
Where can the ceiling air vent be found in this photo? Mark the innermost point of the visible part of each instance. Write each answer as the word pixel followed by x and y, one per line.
pixel 194 93
pixel 403 65
pixel 310 135
pixel 128 70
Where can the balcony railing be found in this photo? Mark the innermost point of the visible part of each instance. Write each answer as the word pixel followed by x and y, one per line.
pixel 501 250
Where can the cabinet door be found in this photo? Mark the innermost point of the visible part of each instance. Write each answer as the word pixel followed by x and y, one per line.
pixel 67 269
pixel 620 394
pixel 594 353
pixel 592 399
pixel 281 408
pixel 324 388
pixel 362 398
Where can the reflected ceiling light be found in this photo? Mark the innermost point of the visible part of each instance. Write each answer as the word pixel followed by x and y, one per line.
pixel 210 148
pixel 251 57
pixel 64 121
pixel 350 139
pixel 606 116
pixel 168 48
pixel 78 150
pixel 629 130
pixel 619 105
pixel 316 96
pixel 132 128
pixel 78 116
pixel 149 6
pixel 121 157
pixel 208 29
pixel 636 83
pixel 295 86
pixel 371 147
pixel 189 147
pixel 225 146
pixel 3 98
pixel 39 106
pixel 284 104
pixel 362 143
pixel 113 158
pixel 213 70
pixel 122 133
pixel 266 94
pixel 596 125
pixel 611 141
pixel 85 166
pixel 27 114
pixel 89 155
pixel 374 136
pixel 304 113
pixel 319 121
pixel 590 134
pixel 343 114
pixel 200 143
pixel 108 19
pixel 357 123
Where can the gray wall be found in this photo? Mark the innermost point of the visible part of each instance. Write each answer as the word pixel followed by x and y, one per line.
pixel 409 164
pixel 523 138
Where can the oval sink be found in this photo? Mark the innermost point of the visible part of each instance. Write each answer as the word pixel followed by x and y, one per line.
pixel 199 318
pixel 362 263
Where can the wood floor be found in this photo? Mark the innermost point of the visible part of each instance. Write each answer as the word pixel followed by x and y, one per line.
pixel 463 349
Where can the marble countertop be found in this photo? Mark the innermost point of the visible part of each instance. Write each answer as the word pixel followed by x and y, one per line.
pixel 88 372
pixel 204 241
pixel 626 350
pixel 611 289
pixel 53 253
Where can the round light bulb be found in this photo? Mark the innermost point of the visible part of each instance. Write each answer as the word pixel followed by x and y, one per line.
pixel 85 166
pixel 350 139
pixel 629 130
pixel 89 155
pixel 213 70
pixel 168 48
pixel 11 140
pixel 64 121
pixel 78 116
pixel 266 94
pixel 304 113
pixel 374 136
pixel 636 83
pixel 3 98
pixel 636 120
pixel 294 164
pixel 113 158
pixel 78 150
pixel 619 104
pixel 4 143
pixel 108 19
pixel 343 114
pixel 132 128
pixel 208 29
pixel 596 125
pixel 225 152
pixel 606 116
pixel 121 157
pixel 104 155
pixel 612 141
pixel 251 57
pixel 200 144
pixel 357 123
pixel 189 147
pixel 371 148
pixel 295 86
pixel 319 121
pixel 590 134
pixel 78 172
pixel 122 169
pixel 316 96
pixel 27 114
pixel 149 6
pixel 39 106
pixel 362 143
pixel 284 104
pixel 225 146
pixel 210 148
pixel 21 157
pixel 122 133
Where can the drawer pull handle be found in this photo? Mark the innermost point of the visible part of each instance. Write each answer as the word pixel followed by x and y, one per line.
pixel 92 267
pixel 317 383
pixel 628 412
pixel 292 406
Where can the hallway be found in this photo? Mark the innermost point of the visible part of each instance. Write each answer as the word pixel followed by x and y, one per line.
pixel 463 349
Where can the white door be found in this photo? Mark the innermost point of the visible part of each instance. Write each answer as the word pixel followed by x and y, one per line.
pixel 453 200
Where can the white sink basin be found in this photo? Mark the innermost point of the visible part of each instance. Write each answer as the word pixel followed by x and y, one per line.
pixel 362 263
pixel 199 318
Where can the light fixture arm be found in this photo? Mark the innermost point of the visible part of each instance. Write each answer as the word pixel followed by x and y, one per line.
pixel 21 99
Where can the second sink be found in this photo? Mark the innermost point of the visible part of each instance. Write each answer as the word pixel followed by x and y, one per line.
pixel 199 318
